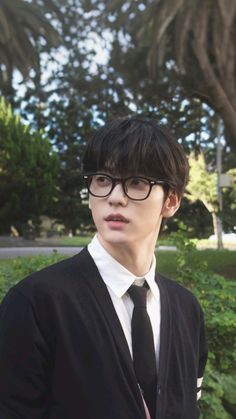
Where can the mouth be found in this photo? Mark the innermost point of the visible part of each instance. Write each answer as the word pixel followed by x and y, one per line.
pixel 117 218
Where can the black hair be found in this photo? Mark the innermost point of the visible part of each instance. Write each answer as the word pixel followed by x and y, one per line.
pixel 137 146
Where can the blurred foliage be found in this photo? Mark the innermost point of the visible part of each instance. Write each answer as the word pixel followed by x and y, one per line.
pixel 202 183
pixel 28 171
pixel 217 298
pixel 24 25
pixel 228 214
pixel 195 39
pixel 202 186
pixel 194 215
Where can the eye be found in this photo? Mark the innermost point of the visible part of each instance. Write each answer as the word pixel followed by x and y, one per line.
pixel 134 181
pixel 137 182
pixel 102 180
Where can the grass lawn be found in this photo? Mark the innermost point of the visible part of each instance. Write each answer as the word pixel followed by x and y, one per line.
pixel 222 262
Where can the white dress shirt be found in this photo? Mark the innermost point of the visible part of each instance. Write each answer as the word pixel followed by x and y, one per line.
pixel 118 280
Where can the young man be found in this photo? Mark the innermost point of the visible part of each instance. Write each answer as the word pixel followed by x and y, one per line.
pixel 101 335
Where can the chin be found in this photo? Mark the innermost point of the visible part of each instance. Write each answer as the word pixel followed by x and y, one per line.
pixel 115 238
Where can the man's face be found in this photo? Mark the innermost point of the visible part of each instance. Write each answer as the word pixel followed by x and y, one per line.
pixel 121 221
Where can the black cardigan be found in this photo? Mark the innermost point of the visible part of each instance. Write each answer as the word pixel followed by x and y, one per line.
pixel 63 353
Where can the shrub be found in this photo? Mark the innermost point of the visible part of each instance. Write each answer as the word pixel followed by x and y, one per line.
pixel 217 298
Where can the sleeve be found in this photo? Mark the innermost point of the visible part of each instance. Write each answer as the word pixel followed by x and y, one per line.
pixel 24 361
pixel 203 352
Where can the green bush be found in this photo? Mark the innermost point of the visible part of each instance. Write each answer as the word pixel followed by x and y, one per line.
pixel 12 271
pixel 29 169
pixel 217 297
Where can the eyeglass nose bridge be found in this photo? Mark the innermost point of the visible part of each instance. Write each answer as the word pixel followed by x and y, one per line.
pixel 116 181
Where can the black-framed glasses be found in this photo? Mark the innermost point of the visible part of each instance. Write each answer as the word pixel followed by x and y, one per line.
pixel 137 188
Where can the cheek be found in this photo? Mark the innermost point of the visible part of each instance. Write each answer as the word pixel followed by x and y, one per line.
pixel 153 219
pixel 150 216
pixel 154 208
pixel 95 209
pixel 93 204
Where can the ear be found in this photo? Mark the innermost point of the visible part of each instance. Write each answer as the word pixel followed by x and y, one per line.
pixel 171 205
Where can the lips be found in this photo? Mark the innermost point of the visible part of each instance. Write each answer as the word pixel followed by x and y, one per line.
pixel 116 218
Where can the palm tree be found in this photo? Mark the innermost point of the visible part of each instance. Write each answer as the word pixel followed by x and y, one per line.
pixel 198 36
pixel 22 25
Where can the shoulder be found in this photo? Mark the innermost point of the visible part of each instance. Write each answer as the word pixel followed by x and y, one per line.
pixel 43 300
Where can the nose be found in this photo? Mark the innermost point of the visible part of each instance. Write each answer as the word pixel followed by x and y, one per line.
pixel 117 196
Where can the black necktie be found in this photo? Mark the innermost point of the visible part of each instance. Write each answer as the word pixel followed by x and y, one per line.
pixel 143 347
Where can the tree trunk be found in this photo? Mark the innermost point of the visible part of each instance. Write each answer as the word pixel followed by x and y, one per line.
pixel 217 225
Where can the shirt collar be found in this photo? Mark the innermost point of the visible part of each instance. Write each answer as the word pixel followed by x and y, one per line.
pixel 115 275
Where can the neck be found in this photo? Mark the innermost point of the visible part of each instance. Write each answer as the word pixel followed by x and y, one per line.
pixel 136 258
